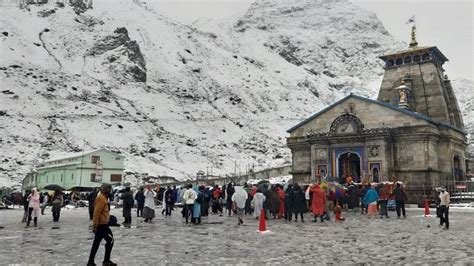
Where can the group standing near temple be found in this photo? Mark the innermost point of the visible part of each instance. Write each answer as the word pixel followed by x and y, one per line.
pixel 288 202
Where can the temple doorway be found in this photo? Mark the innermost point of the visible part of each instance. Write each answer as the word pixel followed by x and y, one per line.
pixel 349 165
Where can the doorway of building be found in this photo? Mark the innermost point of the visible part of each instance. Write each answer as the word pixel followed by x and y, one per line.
pixel 375 175
pixel 457 168
pixel 349 165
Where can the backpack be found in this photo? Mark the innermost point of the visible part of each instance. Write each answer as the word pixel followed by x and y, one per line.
pixel 113 221
pixel 200 198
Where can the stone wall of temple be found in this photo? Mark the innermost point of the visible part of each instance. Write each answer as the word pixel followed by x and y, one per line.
pixel 427 89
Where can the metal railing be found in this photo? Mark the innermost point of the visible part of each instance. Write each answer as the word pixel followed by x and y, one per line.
pixel 461 191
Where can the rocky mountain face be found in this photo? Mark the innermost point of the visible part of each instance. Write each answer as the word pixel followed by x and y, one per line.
pixel 176 99
pixel 464 88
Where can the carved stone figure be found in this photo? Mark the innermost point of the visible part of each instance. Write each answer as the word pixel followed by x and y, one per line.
pixel 403 96
pixel 374 151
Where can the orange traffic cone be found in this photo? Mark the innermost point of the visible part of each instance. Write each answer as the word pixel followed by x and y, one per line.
pixel 427 208
pixel 262 227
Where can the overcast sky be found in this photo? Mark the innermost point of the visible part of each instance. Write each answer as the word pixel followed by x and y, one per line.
pixel 447 24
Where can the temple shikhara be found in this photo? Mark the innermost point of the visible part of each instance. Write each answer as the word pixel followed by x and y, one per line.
pixel 412 133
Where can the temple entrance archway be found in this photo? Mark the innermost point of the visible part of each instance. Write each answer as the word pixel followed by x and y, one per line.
pixel 349 165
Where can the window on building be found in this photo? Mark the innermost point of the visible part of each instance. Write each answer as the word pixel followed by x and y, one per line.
pixel 95 159
pixel 61 178
pixel 93 177
pixel 72 176
pixel 115 178
pixel 47 177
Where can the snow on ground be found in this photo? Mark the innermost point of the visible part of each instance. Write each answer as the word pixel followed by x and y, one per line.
pixel 219 240
pixel 273 180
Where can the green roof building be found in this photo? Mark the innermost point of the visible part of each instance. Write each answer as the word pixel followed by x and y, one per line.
pixel 85 170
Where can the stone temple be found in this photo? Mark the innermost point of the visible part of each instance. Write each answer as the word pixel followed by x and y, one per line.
pixel 412 133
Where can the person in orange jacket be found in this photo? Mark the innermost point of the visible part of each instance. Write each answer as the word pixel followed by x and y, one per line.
pixel 318 203
pixel 281 196
pixel 100 223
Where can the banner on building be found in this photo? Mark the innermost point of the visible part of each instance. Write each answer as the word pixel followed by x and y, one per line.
pixel 98 171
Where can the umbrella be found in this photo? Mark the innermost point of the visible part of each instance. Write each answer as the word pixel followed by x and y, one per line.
pixel 82 189
pixel 53 187
pixel 339 192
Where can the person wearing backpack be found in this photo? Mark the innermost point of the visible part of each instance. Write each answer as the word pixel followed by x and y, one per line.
pixel 197 205
pixel 140 198
pixel 400 199
pixel 101 229
pixel 128 203
pixel 168 202
pixel 57 202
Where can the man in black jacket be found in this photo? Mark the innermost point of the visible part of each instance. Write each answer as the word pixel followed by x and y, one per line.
pixel 128 203
pixel 298 202
pixel 288 203
pixel 140 198
pixel 400 199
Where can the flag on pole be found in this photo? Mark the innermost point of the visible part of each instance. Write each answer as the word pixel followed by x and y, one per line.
pixel 411 20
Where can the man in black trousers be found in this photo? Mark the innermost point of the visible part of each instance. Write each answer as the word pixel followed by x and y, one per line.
pixel 400 199
pixel 140 198
pixel 100 222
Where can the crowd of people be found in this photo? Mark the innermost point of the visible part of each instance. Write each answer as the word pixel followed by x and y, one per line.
pixel 278 201
pixel 288 202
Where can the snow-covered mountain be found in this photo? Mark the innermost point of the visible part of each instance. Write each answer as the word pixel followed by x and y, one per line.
pixel 464 90
pixel 176 99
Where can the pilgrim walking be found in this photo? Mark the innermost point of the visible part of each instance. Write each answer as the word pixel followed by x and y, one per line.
pixel 149 212
pixel 33 207
pixel 100 227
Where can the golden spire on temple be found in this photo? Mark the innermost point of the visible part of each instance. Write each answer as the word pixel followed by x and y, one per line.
pixel 413 42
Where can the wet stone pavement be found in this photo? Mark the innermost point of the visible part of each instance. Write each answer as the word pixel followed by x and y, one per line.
pixel 220 241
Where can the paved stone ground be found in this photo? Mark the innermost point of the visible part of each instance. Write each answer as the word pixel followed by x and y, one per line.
pixel 219 240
